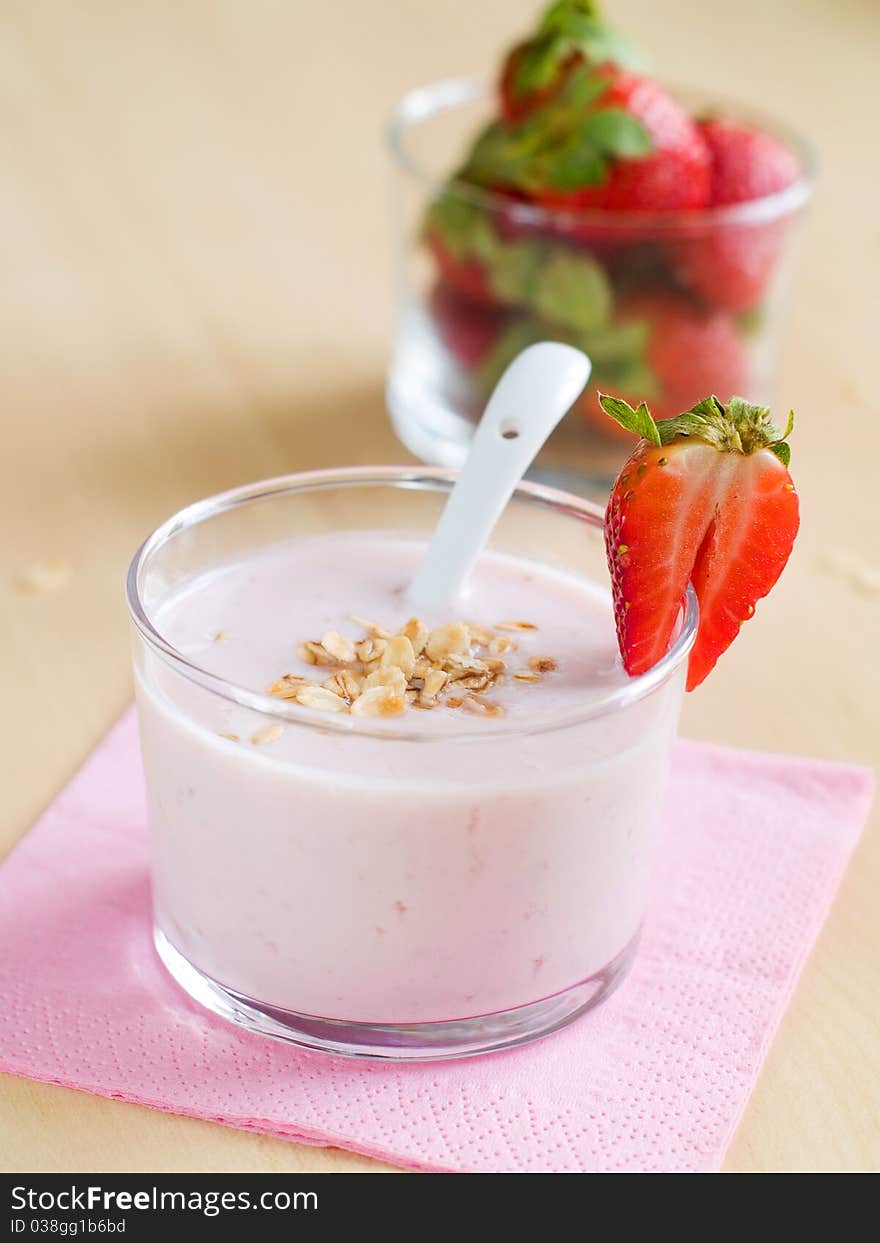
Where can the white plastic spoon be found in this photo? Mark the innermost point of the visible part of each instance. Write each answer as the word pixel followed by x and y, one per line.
pixel 536 390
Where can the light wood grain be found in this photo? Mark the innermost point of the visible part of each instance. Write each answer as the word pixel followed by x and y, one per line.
pixel 194 234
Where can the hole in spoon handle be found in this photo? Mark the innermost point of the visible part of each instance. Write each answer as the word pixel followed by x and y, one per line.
pixel 529 400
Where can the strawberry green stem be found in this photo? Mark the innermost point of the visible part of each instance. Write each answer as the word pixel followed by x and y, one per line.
pixel 738 427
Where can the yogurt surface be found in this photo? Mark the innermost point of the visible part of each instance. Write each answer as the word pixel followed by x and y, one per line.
pixel 243 621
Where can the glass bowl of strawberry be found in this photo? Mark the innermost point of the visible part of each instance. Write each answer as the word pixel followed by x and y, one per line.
pixel 589 204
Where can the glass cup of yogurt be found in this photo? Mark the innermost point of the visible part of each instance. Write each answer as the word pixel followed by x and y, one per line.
pixel 412 884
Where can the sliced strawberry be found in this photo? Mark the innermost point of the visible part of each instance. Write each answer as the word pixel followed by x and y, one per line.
pixel 705 497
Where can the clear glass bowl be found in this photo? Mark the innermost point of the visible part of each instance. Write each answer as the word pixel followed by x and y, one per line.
pixel 519 852
pixel 671 307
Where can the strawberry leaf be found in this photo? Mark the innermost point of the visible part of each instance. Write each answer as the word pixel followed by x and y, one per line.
pixel 738 427
pixel 620 349
pixel 573 290
pixel 754 425
pixel 502 156
pixel 779 447
pixel 614 132
pixel 464 227
pixel 558 15
pixel 539 62
pixel 687 424
pixel 638 421
pixel 702 422
pixel 580 22
pixel 565 143
pixel 580 89
pixel 581 166
pixel 514 271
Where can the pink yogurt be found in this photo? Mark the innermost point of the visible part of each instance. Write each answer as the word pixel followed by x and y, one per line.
pixel 424 868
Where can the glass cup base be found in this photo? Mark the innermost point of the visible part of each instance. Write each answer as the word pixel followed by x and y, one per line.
pixel 416 1042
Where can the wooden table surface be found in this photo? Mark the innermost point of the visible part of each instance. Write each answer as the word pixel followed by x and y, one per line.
pixel 195 293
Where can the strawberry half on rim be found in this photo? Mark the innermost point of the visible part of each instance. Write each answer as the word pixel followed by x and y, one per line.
pixel 704 498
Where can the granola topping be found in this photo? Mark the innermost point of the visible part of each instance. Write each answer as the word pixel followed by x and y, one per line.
pixel 383 673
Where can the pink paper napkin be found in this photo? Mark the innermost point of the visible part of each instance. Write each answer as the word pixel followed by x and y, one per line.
pixel 753 849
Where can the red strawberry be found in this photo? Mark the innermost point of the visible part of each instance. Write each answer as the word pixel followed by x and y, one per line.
pixel 730 264
pixel 468 330
pixel 663 350
pixel 747 163
pixel 608 139
pixel 707 498
pixel 668 173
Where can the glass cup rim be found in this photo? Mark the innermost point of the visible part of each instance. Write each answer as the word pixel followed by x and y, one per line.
pixel 429 100
pixel 408 477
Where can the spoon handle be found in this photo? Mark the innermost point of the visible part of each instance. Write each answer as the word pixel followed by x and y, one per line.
pixel 531 397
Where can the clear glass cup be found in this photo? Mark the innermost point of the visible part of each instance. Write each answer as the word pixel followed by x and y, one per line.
pixel 519 853
pixel 671 307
